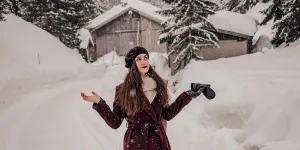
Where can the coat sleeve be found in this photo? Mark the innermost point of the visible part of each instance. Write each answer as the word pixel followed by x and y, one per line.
pixel 113 118
pixel 172 110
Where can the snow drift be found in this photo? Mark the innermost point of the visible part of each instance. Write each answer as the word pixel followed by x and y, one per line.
pixel 26 48
pixel 257 94
pixel 31 57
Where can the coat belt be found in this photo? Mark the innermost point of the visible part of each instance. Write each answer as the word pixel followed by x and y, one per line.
pixel 145 128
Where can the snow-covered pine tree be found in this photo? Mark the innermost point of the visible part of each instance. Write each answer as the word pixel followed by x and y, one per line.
pixel 288 28
pixel 100 5
pixel 275 11
pixel 222 3
pixel 15 6
pixel 3 9
pixel 34 11
pixel 74 15
pixel 62 18
pixel 157 3
pixel 111 3
pixel 185 29
pixel 240 6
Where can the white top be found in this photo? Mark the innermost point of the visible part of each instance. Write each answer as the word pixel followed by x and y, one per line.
pixel 149 88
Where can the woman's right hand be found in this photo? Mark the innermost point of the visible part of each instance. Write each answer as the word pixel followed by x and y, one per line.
pixel 95 98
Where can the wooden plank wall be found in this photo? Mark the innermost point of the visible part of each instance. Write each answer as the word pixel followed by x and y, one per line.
pixel 228 48
pixel 127 42
pixel 150 35
pixel 119 35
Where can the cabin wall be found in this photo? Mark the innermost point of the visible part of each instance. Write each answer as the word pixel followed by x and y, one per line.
pixel 126 32
pixel 228 48
pixel 150 34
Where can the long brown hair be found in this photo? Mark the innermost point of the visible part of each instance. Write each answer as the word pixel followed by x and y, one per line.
pixel 131 96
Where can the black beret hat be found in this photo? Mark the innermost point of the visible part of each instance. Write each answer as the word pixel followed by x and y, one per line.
pixel 130 56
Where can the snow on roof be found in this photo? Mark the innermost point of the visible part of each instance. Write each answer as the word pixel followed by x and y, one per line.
pixel 234 22
pixel 85 36
pixel 225 20
pixel 143 8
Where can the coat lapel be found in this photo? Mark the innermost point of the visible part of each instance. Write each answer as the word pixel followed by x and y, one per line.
pixel 149 110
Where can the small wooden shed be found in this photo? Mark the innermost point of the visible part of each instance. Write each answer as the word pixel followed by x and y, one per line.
pixel 126 26
pixel 137 24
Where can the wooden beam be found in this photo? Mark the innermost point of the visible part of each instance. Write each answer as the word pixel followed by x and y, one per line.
pixel 124 31
pixel 231 33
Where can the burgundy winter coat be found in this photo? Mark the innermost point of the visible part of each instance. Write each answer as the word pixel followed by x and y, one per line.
pixel 145 130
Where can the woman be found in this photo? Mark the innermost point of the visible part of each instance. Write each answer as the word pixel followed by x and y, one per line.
pixel 143 100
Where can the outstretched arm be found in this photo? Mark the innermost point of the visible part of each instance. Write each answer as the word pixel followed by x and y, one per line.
pixel 113 118
pixel 181 101
pixel 171 111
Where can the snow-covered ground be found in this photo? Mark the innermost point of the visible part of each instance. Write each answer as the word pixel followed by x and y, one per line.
pixel 31 57
pixel 257 106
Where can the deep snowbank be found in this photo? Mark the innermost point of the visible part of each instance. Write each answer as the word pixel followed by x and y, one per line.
pixel 256 94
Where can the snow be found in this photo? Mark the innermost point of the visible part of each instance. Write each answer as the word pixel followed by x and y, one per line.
pixel 159 61
pixel 255 11
pixel 85 37
pixel 257 105
pixel 225 20
pixel 36 52
pixel 28 53
pixel 109 59
pixel 141 7
pixel 265 30
pixel 234 22
pixel 255 93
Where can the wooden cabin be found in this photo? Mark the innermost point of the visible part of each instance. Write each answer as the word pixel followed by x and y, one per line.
pixel 136 24
pixel 126 26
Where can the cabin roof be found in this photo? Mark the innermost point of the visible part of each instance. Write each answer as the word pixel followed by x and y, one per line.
pixel 224 21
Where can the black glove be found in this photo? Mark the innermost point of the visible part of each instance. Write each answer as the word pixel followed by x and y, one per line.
pixel 196 86
pixel 204 88
pixel 194 94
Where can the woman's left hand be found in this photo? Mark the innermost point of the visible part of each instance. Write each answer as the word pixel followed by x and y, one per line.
pixel 95 98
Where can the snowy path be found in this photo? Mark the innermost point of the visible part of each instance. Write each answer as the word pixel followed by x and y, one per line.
pixel 52 117
pixel 46 115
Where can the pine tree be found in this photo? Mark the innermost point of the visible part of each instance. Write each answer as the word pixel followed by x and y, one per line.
pixel 275 11
pixel 157 3
pixel 285 15
pixel 288 28
pixel 186 29
pixel 240 6
pixel 34 11
pixel 15 7
pixel 3 9
pixel 110 3
pixel 62 18
pixel 100 6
